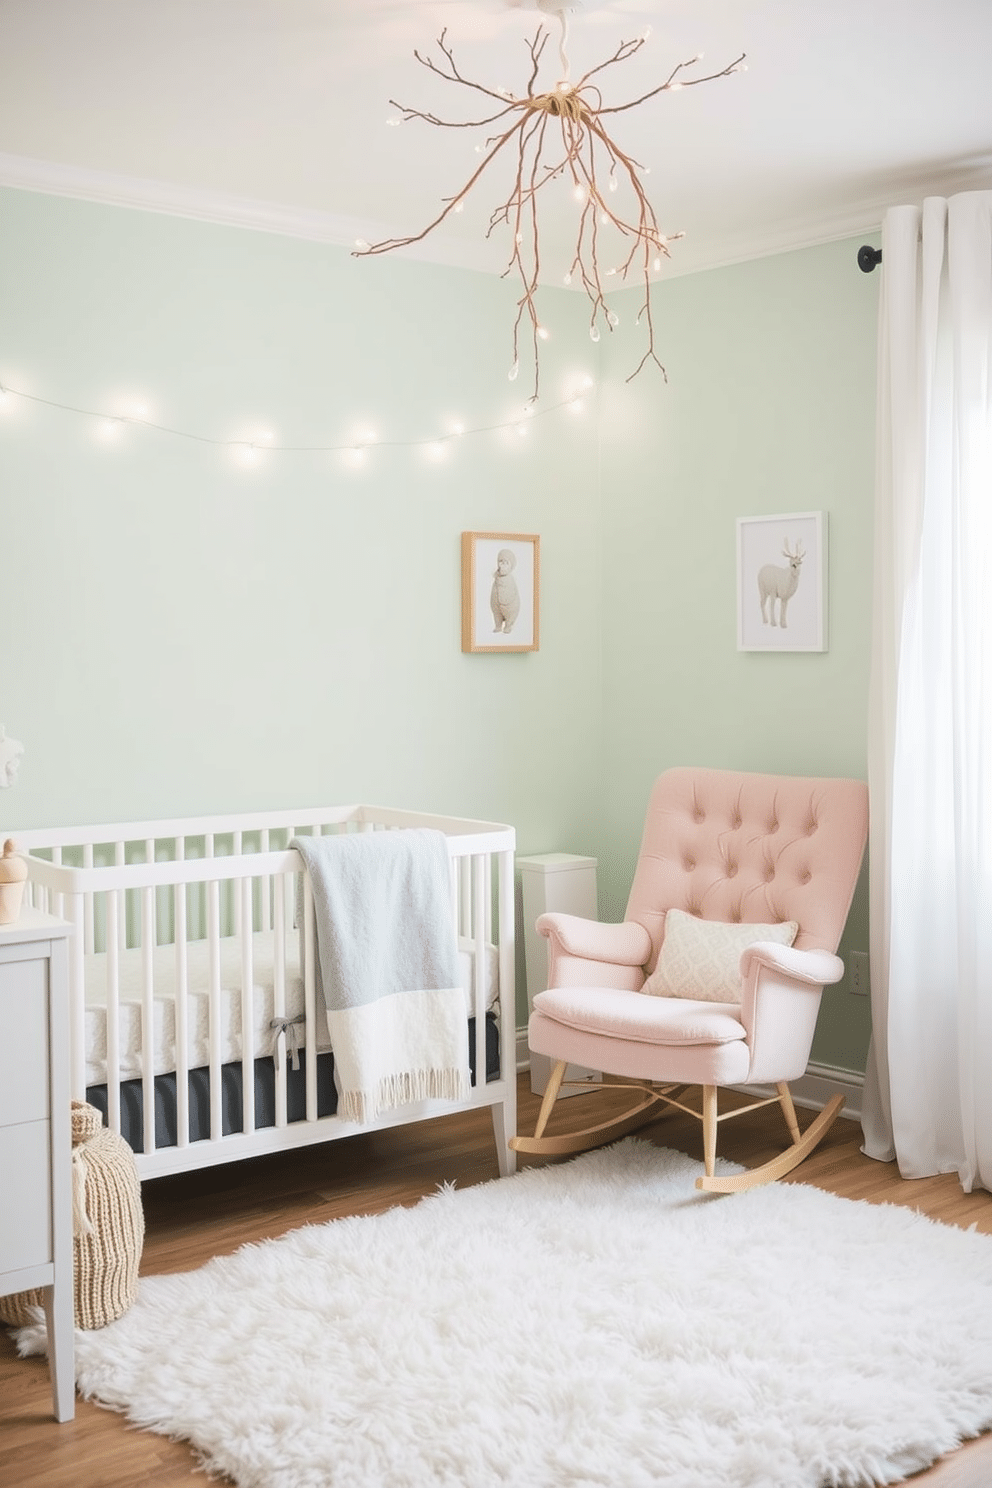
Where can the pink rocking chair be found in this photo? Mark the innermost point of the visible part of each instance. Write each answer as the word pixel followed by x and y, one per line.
pixel 714 978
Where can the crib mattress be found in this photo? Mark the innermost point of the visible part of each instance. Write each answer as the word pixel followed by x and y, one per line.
pixel 132 1111
pixel 130 976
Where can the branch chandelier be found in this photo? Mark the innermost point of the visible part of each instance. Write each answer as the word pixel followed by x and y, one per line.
pixel 606 182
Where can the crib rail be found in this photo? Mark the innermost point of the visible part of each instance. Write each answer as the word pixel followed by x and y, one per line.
pixel 175 893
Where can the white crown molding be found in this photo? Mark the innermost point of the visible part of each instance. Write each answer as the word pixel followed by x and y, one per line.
pixel 200 204
pixel 174 200
pixel 815 230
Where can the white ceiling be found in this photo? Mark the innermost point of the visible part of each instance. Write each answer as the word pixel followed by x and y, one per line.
pixel 274 111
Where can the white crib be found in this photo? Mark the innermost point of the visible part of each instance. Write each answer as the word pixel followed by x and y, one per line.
pixel 194 1019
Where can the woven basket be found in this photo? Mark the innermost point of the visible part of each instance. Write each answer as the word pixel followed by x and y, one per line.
pixel 108 1228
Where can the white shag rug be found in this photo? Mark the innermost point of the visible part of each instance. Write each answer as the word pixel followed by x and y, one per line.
pixel 595 1323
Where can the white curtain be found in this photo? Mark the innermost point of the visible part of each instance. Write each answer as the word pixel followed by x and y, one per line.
pixel 928 1089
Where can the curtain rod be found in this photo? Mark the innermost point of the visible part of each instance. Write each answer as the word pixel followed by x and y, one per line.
pixel 868 258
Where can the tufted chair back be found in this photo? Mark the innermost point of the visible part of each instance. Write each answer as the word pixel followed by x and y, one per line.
pixel 750 848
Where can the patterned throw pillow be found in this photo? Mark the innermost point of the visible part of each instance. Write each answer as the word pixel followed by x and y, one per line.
pixel 701 958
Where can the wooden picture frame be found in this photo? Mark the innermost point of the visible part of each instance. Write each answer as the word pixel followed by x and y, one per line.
pixel 782 582
pixel 500 591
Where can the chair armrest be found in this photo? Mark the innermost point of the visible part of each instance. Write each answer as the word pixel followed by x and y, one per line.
pixel 627 944
pixel 809 968
pixel 779 1006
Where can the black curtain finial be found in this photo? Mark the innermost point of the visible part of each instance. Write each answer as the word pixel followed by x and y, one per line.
pixel 868 258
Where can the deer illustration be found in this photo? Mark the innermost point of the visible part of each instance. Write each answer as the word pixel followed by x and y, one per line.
pixel 775 582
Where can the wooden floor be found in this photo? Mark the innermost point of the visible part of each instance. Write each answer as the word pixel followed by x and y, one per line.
pixel 193 1217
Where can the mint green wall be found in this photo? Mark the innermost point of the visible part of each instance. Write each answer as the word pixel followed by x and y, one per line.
pixel 183 635
pixel 769 407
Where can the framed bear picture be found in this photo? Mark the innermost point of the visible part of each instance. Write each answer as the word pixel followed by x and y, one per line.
pixel 500 591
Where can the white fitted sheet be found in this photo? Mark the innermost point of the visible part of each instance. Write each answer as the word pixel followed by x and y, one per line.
pixel 130 978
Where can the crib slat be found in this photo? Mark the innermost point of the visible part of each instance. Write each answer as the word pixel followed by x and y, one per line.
pixel 114 908
pixel 479 969
pixel 120 858
pixel 89 938
pixel 214 1013
pixel 181 1012
pixel 310 997
pixel 265 885
pixel 148 1016
pixel 280 1053
pixel 236 849
pixel 153 914
pixel 247 1008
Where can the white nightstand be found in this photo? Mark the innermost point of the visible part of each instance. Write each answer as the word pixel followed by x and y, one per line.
pixel 35 1132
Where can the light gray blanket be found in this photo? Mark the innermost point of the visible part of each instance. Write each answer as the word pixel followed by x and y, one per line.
pixel 388 961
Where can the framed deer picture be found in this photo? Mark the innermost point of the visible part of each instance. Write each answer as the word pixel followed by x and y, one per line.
pixel 782 582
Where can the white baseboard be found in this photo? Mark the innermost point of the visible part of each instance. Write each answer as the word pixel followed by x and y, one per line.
pixel 823 1081
pixel 819 1084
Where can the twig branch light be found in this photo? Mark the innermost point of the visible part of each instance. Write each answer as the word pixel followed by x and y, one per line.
pixel 606 181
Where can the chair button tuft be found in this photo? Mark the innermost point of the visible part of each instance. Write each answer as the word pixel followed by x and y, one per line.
pixel 688 863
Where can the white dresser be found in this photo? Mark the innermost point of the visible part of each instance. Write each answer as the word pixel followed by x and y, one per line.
pixel 35 1132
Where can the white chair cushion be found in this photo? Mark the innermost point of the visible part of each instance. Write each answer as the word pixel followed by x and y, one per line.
pixel 630 1015
pixel 700 959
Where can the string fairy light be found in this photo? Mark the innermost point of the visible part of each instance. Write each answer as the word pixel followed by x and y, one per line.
pixel 249 450
pixel 583 151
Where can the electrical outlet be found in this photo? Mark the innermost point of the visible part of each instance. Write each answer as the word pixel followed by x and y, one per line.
pixel 859 983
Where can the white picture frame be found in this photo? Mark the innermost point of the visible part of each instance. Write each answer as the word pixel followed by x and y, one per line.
pixel 782 582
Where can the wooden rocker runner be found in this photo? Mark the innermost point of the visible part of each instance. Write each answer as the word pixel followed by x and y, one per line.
pixel 714 978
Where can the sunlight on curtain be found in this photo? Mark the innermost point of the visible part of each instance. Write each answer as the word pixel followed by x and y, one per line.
pixel 928 1088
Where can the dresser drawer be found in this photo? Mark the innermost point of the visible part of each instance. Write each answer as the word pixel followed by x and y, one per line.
pixel 24 1094
pixel 25 1178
